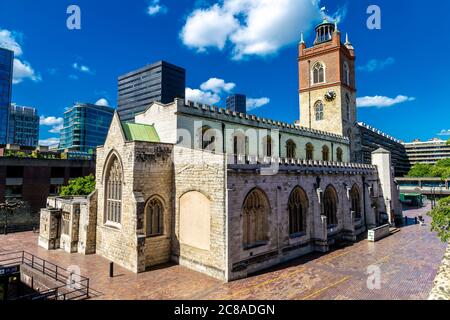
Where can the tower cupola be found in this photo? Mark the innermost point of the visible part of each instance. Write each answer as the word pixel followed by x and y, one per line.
pixel 324 32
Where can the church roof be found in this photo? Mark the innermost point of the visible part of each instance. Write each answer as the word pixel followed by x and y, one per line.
pixel 140 132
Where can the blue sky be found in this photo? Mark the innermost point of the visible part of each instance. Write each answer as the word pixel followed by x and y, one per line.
pixel 244 46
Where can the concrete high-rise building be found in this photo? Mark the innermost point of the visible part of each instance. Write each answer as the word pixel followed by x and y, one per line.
pixel 237 103
pixel 6 74
pixel 161 81
pixel 428 152
pixel 85 127
pixel 23 126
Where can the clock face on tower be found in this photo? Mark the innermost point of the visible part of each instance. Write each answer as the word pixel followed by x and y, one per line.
pixel 330 96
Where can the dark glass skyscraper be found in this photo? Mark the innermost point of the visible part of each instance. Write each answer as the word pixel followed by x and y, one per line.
pixel 85 127
pixel 6 74
pixel 237 103
pixel 160 81
pixel 23 126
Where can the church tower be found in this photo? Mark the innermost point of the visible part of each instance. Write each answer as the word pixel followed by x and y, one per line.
pixel 327 87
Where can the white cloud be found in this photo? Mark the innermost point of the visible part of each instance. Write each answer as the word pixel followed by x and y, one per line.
pixel 155 7
pixel 81 68
pixel 54 122
pixel 444 133
pixel 381 101
pixel 102 102
pixel 49 142
pixel 376 65
pixel 22 71
pixel 50 121
pixel 200 96
pixel 73 77
pixel 217 85
pixel 8 41
pixel 253 104
pixel 251 27
pixel 56 129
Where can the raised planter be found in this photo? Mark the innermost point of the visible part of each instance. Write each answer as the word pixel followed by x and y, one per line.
pixel 379 233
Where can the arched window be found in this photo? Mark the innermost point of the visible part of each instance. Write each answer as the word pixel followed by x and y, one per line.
pixel 339 154
pixel 347 106
pixel 255 212
pixel 346 74
pixel 113 192
pixel 298 206
pixel 356 202
pixel 154 215
pixel 318 109
pixel 318 73
pixel 330 201
pixel 207 138
pixel 325 153
pixel 267 146
pixel 290 149
pixel 309 151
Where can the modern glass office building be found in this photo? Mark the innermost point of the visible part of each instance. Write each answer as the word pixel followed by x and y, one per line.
pixel 23 126
pixel 237 103
pixel 6 74
pixel 160 81
pixel 85 127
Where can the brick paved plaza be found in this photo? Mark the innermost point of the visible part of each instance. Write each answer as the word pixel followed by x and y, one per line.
pixel 408 260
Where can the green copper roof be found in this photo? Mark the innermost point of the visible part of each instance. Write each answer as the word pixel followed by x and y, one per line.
pixel 140 132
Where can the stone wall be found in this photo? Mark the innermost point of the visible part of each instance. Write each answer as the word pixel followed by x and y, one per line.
pixel 203 172
pixel 278 188
pixel 441 287
pixel 117 243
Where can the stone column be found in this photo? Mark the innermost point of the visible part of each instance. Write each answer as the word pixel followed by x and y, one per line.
pixel 381 158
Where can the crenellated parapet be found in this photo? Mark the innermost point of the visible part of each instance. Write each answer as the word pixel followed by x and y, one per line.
pixel 242 163
pixel 224 115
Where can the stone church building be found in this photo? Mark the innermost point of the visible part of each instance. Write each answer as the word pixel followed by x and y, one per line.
pixel 230 194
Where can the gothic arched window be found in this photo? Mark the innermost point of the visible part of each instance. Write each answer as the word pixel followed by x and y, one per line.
pixel 346 74
pixel 347 106
pixel 325 153
pixel 356 202
pixel 113 192
pixel 298 206
pixel 309 151
pixel 339 154
pixel 330 201
pixel 318 109
pixel 290 149
pixel 154 215
pixel 318 73
pixel 256 210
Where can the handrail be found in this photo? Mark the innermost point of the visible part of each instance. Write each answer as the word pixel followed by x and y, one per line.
pixel 55 272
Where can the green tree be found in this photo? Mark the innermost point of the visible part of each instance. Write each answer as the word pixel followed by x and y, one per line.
pixel 82 186
pixel 441 219
pixel 420 170
pixel 448 142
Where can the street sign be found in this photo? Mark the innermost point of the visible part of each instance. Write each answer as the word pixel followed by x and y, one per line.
pixel 6 271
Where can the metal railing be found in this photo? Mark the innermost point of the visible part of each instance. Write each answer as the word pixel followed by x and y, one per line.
pixel 71 286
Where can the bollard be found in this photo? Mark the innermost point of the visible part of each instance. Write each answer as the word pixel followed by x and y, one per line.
pixel 415 220
pixel 406 221
pixel 111 270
